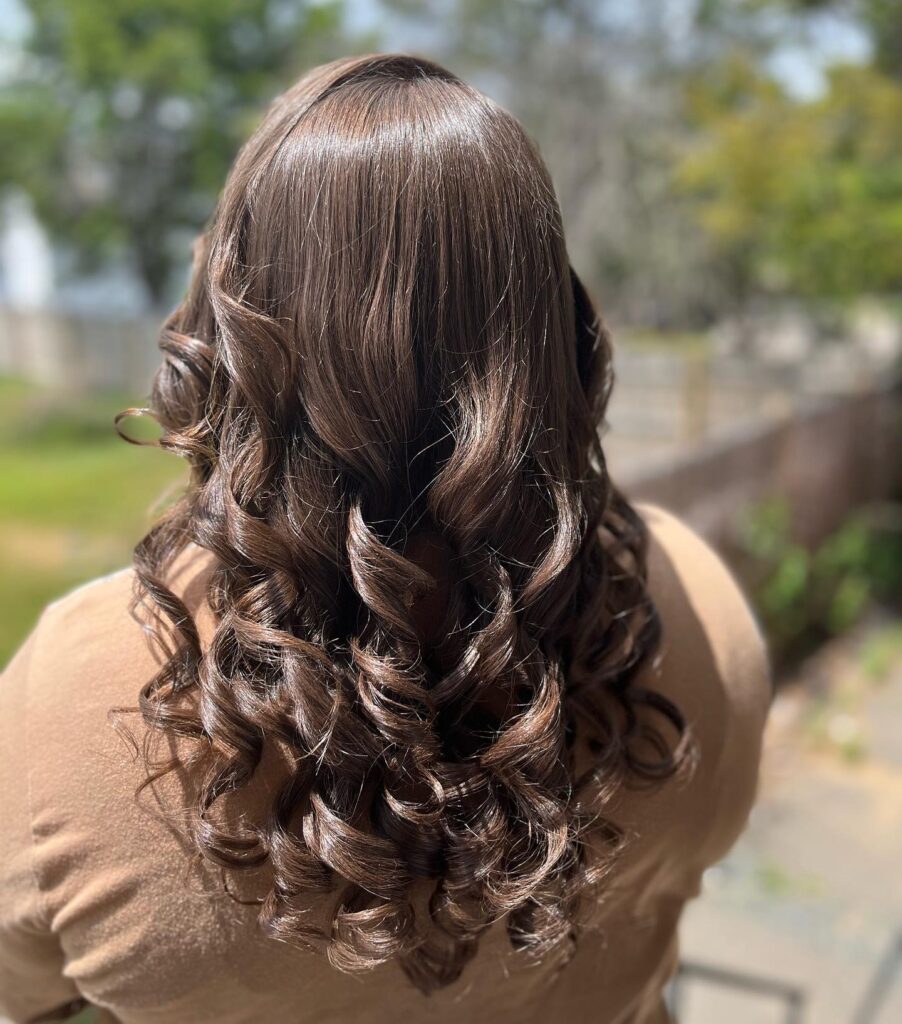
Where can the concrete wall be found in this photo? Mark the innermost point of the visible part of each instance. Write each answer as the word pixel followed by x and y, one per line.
pixel 825 456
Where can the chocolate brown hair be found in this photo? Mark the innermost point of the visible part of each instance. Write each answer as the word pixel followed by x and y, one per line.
pixel 389 383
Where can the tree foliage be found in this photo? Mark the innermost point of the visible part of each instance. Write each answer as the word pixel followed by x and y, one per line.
pixel 125 114
pixel 800 197
pixel 692 180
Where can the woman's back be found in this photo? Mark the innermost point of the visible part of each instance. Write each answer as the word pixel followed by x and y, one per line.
pixel 97 899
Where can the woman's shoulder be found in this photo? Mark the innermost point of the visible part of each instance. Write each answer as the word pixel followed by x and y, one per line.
pixel 96 621
pixel 88 655
pixel 79 629
pixel 705 609
pixel 713 664
pixel 89 650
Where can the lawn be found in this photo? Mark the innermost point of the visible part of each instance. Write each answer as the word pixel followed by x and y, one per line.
pixel 74 497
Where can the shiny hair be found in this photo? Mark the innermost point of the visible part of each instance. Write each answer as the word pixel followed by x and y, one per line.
pixel 428 595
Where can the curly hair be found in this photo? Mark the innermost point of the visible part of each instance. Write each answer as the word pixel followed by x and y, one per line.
pixel 389 385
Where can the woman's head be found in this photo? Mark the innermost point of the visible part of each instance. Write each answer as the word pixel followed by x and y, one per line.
pixel 386 277
pixel 389 383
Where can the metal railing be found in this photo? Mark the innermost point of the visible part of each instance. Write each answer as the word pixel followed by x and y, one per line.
pixel 792 997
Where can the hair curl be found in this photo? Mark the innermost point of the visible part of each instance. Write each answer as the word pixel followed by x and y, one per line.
pixel 388 383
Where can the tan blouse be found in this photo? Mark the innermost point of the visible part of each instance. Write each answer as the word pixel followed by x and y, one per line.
pixel 96 902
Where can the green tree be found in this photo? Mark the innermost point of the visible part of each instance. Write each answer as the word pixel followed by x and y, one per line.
pixel 125 114
pixel 802 197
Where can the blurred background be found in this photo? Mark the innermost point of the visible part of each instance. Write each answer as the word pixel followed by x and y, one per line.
pixel 730 173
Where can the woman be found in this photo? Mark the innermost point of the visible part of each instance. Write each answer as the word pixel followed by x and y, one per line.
pixel 403 711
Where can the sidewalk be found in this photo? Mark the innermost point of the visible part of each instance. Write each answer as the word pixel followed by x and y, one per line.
pixel 812 895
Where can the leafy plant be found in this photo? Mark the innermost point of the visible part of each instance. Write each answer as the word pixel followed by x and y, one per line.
pixel 805 595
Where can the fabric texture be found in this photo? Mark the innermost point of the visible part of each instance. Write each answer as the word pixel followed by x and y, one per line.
pixel 99 899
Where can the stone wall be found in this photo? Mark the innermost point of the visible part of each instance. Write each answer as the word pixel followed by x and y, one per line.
pixel 826 456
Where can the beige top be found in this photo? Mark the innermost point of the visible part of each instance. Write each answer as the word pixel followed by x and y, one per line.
pixel 94 898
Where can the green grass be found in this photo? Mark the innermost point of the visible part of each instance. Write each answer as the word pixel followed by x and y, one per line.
pixel 679 342
pixel 98 488
pixel 882 651
pixel 74 497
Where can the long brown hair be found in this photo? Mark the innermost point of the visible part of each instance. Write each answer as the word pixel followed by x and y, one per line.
pixel 388 383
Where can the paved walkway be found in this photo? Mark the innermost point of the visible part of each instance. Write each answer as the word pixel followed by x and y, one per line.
pixel 812 894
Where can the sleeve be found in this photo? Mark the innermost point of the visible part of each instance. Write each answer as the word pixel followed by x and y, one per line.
pixel 716 640
pixel 32 986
